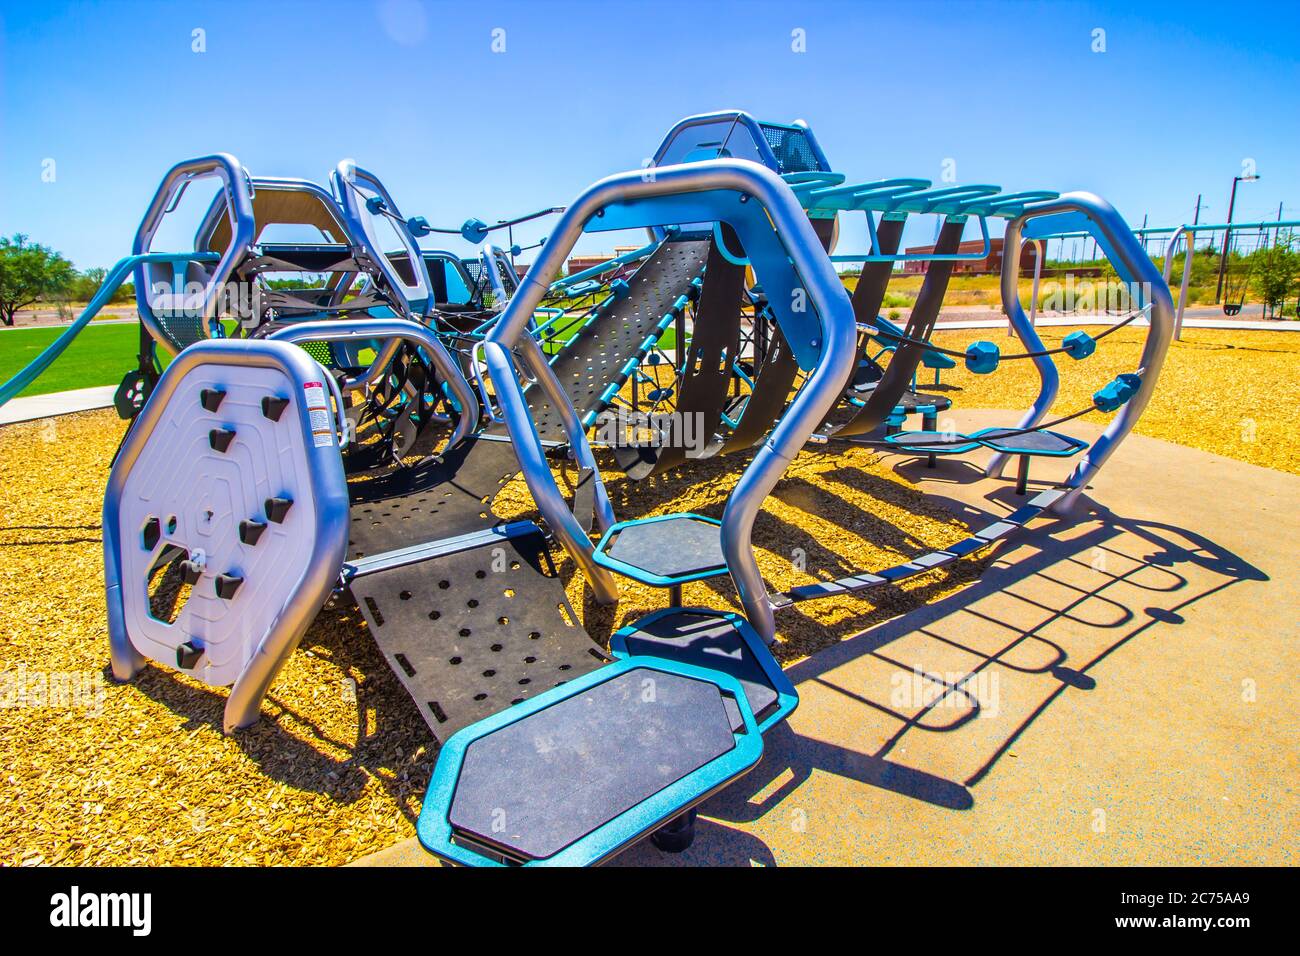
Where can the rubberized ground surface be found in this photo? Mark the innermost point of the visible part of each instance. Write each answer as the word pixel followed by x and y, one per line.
pixel 101 773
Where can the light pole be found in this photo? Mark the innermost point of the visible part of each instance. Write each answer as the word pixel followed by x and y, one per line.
pixel 1227 232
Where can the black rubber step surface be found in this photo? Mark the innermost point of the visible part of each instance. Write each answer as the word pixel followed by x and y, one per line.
pixel 705 640
pixel 537 785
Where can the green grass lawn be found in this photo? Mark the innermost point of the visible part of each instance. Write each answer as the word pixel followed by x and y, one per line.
pixel 100 355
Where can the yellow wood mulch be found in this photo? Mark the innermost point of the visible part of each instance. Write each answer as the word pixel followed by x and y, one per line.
pixel 1222 391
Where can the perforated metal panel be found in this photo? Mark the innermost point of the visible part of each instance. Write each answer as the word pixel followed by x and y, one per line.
pixel 181 330
pixel 320 351
pixel 439 499
pixel 509 281
pixel 595 357
pixel 794 154
pixel 473 632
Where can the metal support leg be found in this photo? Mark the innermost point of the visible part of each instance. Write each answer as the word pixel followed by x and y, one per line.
pixel 677 834
pixel 930 423
pixel 675 595
pixel 1022 475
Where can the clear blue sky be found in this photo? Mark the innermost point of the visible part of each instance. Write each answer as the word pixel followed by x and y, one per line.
pixel 114 94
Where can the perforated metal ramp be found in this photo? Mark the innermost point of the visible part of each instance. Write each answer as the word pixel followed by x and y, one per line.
pixel 429 502
pixel 597 355
pixel 478 627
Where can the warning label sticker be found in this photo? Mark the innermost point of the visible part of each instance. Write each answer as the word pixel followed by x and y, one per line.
pixel 318 413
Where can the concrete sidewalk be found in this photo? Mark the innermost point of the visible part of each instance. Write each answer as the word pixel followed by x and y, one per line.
pixel 1127 691
pixel 56 403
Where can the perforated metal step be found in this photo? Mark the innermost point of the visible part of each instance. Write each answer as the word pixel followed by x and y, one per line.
pixel 476 629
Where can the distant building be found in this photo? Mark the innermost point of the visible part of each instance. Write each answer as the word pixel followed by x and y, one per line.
pixel 992 263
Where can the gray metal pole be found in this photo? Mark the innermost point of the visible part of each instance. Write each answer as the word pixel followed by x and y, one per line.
pixel 1227 241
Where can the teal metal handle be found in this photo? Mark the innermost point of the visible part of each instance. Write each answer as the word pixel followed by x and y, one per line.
pixel 112 281
pixel 559 285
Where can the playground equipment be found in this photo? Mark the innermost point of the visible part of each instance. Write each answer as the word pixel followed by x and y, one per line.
pixel 645 737
pixel 229 286
pixel 290 459
pixel 876 401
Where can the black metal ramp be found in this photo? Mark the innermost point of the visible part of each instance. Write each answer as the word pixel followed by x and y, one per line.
pixel 598 354
pixel 438 499
pixel 702 382
pixel 475 624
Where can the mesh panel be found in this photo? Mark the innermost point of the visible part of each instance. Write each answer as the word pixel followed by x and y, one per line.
pixel 793 151
pixel 320 351
pixel 182 330
pixel 509 281
pixel 480 276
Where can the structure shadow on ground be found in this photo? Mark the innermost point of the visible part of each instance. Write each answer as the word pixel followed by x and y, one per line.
pixel 290 747
pixel 1139 574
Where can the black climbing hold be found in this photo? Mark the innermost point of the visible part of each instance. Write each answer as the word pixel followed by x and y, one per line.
pixel 131 394
pixel 220 438
pixel 151 533
pixel 190 572
pixel 187 655
pixel 277 508
pixel 211 398
pixel 250 531
pixel 273 407
pixel 227 585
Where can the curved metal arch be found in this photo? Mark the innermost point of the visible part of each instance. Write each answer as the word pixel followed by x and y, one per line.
pixel 789 262
pixel 371 330
pixel 204 235
pixel 238 189
pixel 1107 226
pixel 755 129
pixel 346 180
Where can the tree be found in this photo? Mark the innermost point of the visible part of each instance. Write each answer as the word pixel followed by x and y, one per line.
pixel 86 284
pixel 29 272
pixel 1273 273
